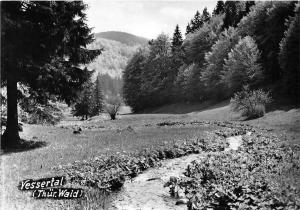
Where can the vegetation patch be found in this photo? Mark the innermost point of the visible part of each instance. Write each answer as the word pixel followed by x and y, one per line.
pixel 110 172
pixel 255 176
pixel 251 104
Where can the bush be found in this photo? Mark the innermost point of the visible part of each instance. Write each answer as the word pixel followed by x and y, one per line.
pixel 112 106
pixel 251 103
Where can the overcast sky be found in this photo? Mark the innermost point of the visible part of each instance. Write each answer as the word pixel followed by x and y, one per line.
pixel 143 18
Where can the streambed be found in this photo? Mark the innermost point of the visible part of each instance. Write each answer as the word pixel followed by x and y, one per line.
pixel 147 191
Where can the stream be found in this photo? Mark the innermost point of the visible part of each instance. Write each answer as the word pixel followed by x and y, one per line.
pixel 147 191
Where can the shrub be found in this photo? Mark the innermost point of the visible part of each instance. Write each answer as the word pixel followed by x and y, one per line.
pixel 251 103
pixel 112 106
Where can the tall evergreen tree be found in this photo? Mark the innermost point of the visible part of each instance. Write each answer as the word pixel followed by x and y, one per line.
pixel 196 22
pixel 205 17
pixel 231 13
pixel 98 100
pixel 188 29
pixel 43 46
pixel 177 40
pixel 220 8
pixel 84 106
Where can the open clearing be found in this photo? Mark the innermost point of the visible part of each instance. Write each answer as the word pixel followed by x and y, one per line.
pixel 128 134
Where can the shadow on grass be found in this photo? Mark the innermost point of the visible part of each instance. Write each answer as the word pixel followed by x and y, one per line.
pixel 24 145
pixel 184 108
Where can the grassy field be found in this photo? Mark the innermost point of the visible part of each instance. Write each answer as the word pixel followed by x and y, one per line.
pixel 128 134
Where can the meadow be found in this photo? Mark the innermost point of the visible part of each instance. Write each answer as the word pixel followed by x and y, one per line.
pixel 129 134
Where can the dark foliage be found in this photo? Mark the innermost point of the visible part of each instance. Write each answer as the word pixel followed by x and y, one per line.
pixel 289 56
pixel 43 43
pixel 220 8
pixel 266 24
pixel 176 40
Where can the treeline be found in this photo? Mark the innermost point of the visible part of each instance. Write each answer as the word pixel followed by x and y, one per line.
pixel 240 43
pixel 95 96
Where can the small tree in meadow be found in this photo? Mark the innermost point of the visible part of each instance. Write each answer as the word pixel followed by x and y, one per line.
pixel 112 106
pixel 83 107
pixel 250 103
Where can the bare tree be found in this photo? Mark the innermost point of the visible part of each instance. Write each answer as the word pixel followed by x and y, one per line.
pixel 112 106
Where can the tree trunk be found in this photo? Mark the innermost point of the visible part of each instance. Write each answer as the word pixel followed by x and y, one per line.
pixel 112 116
pixel 11 136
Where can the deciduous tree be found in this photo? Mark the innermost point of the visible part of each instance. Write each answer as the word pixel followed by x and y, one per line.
pixel 242 67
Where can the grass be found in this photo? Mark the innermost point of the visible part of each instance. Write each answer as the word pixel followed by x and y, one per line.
pixel 102 136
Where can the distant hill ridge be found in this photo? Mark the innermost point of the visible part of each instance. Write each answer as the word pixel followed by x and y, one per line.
pixel 123 37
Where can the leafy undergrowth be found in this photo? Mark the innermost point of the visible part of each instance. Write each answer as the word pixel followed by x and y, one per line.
pixel 110 172
pixel 262 174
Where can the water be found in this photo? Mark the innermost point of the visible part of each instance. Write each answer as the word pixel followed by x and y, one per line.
pixel 146 191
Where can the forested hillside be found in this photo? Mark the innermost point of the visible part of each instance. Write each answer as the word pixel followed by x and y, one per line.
pixel 118 48
pixel 242 44
pixel 125 38
pixel 114 56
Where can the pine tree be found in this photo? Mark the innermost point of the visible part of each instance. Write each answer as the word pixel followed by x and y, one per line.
pixel 205 17
pixel 84 105
pixel 176 40
pixel 43 46
pixel 220 8
pixel 188 29
pixel 98 100
pixel 231 13
pixel 196 22
pixel 242 67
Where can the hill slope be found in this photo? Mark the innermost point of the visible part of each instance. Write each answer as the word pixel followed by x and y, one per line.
pixel 123 37
pixel 114 57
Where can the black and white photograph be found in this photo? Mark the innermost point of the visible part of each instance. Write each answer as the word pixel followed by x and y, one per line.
pixel 150 105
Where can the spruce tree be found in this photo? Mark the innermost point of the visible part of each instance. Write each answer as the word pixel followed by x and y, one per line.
pixel 231 13
pixel 43 47
pixel 197 22
pixel 176 40
pixel 98 100
pixel 220 8
pixel 188 29
pixel 205 17
pixel 84 105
